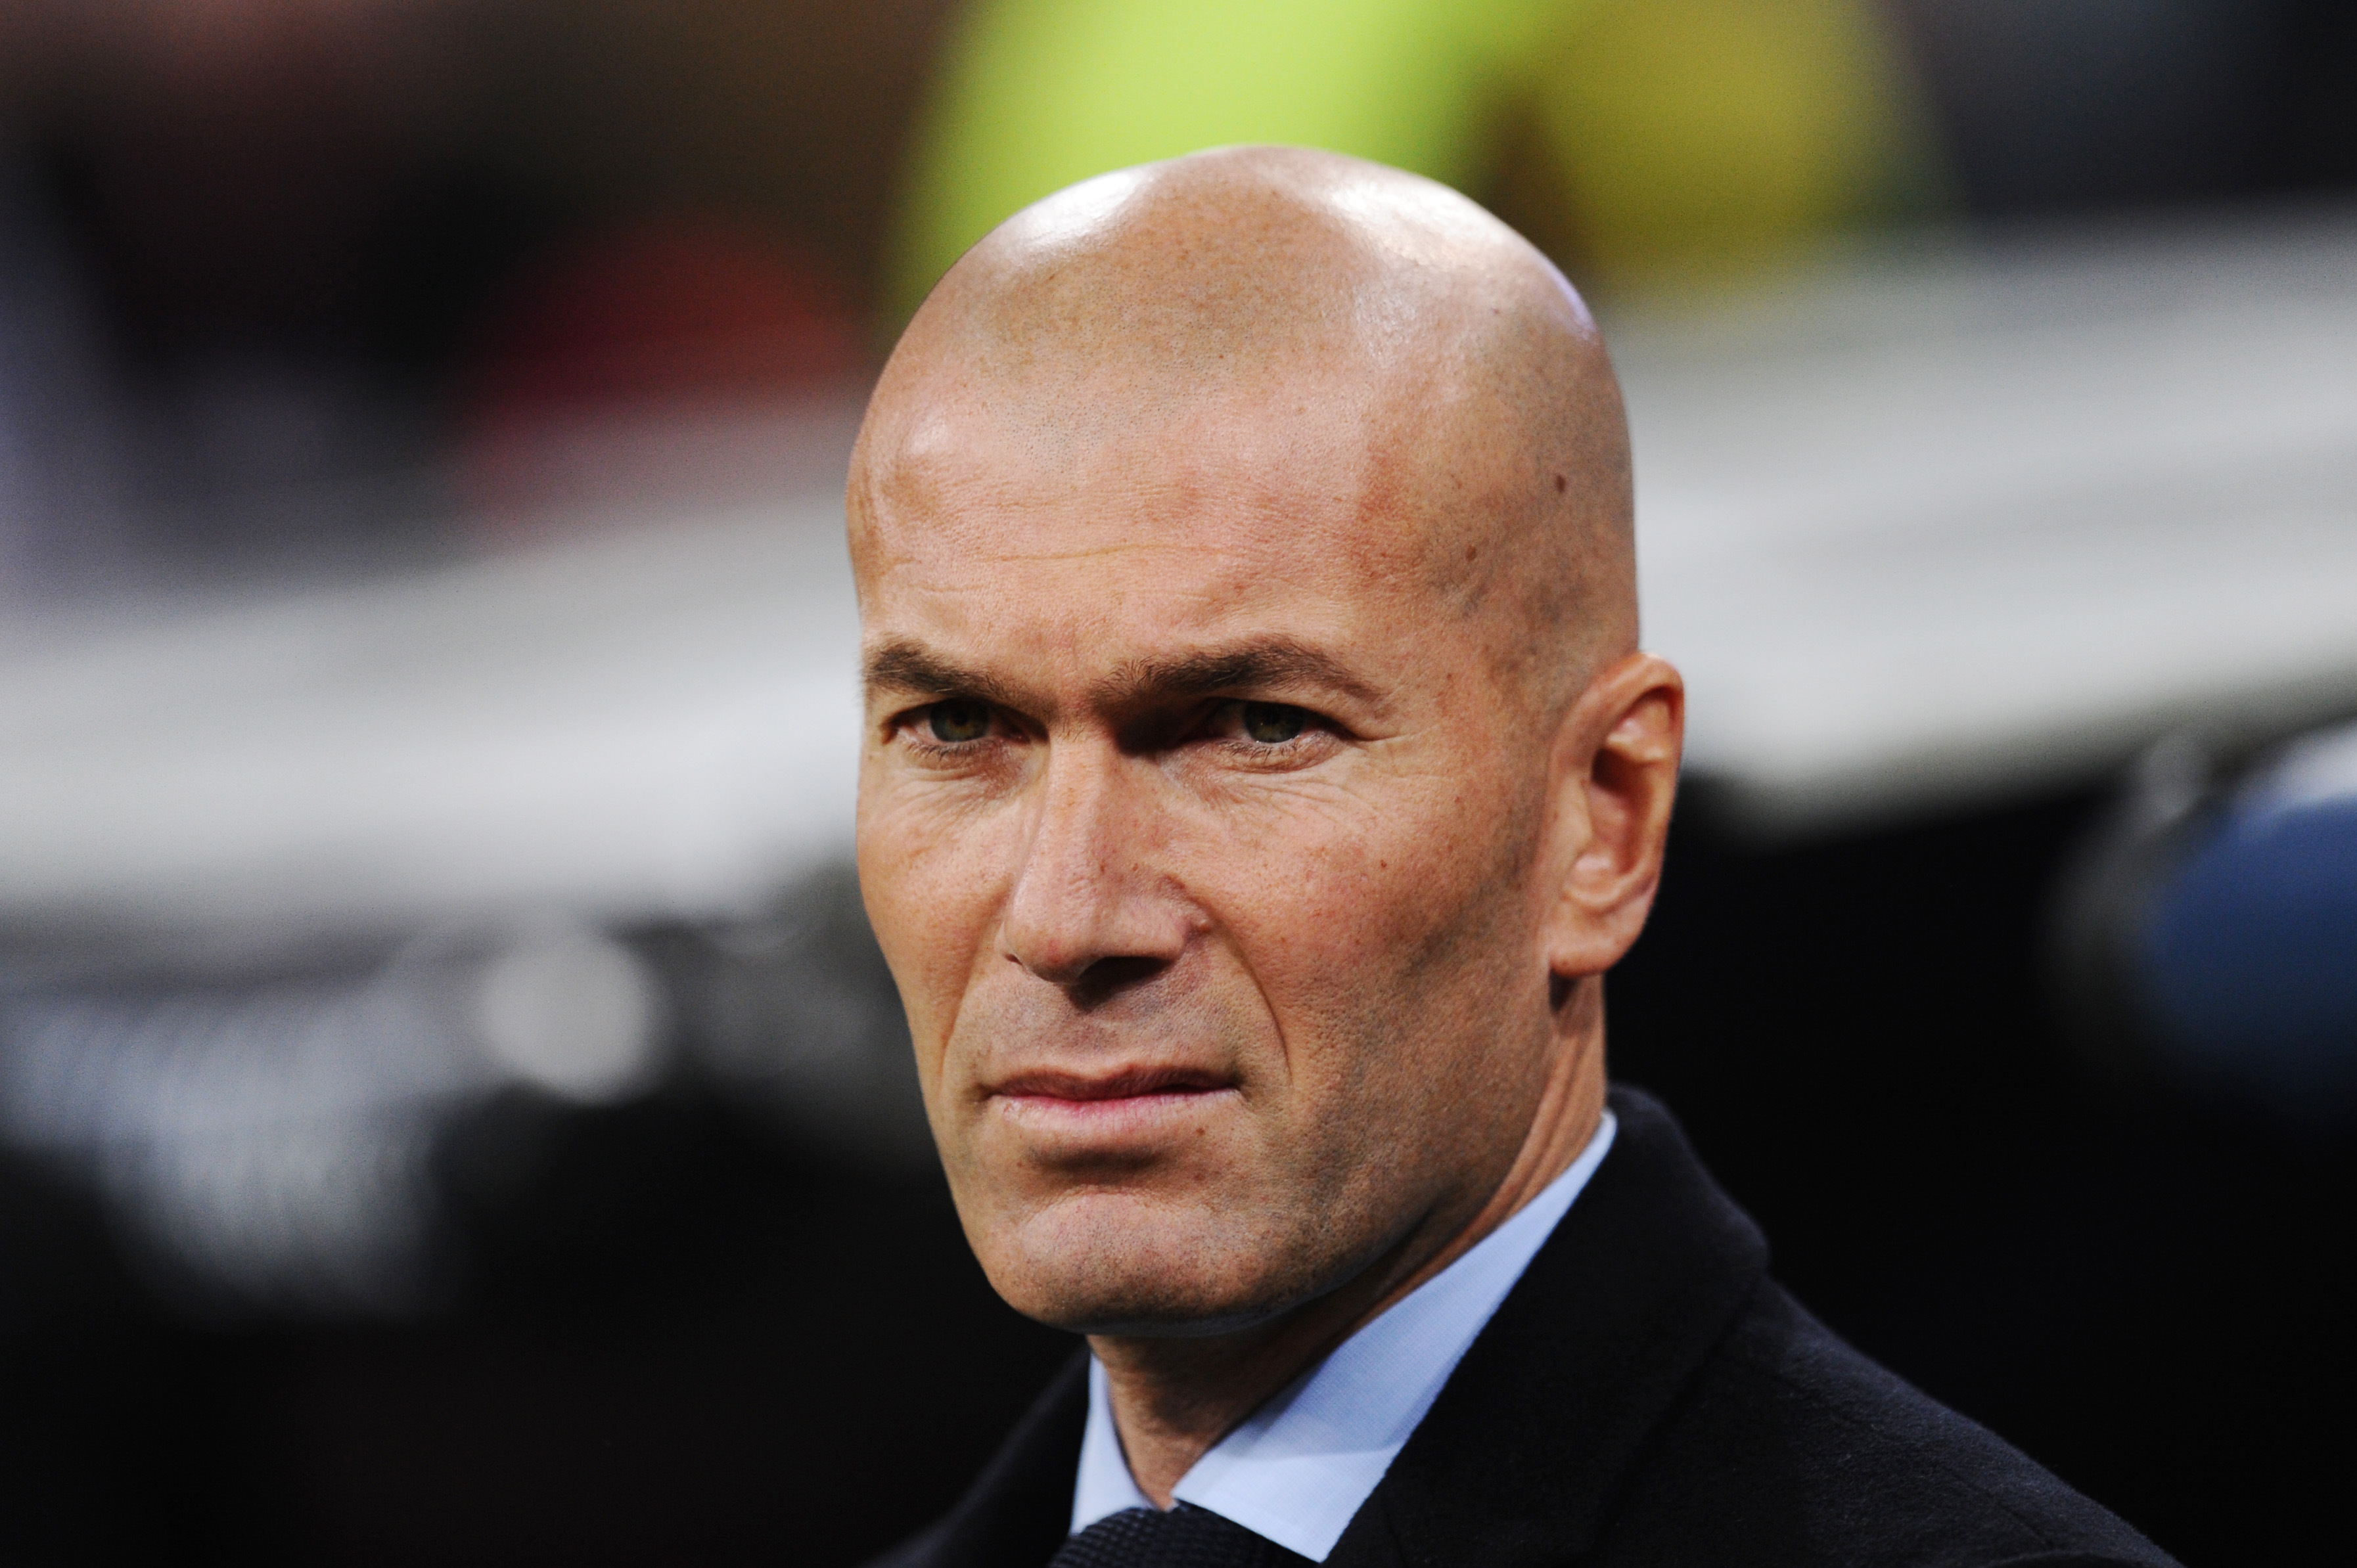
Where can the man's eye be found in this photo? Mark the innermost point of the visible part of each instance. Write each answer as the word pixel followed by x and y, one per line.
pixel 1272 724
pixel 955 722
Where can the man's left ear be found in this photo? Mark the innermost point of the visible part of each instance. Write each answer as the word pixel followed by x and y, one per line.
pixel 1615 773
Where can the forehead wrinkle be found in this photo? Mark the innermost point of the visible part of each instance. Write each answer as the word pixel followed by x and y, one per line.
pixel 1200 491
pixel 977 559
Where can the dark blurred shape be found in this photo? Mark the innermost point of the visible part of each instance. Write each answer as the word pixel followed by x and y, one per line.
pixel 2250 951
pixel 672 328
pixel 792 115
pixel 61 438
pixel 267 1144
pixel 2067 105
pixel 2148 1292
pixel 271 222
pixel 282 1144
pixel 662 311
pixel 795 1016
pixel 234 173
pixel 676 1344
pixel 2209 936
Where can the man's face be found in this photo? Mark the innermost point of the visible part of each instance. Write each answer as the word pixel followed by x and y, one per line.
pixel 1195 823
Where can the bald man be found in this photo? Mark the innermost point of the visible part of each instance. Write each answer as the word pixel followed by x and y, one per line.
pixel 1261 774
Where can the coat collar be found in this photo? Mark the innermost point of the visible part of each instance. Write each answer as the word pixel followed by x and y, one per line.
pixel 1519 1460
pixel 1019 1509
pixel 1520 1457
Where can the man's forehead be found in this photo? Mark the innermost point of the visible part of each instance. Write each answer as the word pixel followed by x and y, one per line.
pixel 1244 385
pixel 1074 389
pixel 1114 591
pixel 1179 552
pixel 1164 630
pixel 1270 458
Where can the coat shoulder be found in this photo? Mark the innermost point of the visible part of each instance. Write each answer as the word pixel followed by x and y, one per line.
pixel 1789 1446
pixel 920 1550
pixel 1018 1508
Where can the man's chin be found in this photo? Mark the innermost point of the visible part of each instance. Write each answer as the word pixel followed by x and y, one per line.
pixel 1097 1266
pixel 1144 1316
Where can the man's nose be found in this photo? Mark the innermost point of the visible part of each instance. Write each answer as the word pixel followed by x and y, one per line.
pixel 1089 908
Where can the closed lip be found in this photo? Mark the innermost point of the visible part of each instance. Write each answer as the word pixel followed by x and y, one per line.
pixel 1126 1113
pixel 1126 1083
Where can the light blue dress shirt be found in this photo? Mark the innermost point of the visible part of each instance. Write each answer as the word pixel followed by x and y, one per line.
pixel 1301 1466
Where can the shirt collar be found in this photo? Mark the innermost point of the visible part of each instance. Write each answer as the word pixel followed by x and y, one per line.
pixel 1301 1466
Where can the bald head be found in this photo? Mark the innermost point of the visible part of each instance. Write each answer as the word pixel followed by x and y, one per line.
pixel 1352 301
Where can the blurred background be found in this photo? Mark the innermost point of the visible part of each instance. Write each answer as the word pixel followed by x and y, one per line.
pixel 450 1105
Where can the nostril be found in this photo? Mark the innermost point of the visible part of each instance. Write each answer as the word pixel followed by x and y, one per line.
pixel 1123 969
pixel 1110 977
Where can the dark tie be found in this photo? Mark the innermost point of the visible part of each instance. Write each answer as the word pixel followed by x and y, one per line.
pixel 1186 1537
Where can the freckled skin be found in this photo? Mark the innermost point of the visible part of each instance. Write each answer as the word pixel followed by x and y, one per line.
pixel 1254 400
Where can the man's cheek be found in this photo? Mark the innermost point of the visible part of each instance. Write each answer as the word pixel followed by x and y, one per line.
pixel 934 913
pixel 1342 907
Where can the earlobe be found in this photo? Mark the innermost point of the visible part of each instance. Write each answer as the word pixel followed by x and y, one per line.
pixel 1615 781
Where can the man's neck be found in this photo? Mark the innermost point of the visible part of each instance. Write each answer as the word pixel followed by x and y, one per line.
pixel 1173 1398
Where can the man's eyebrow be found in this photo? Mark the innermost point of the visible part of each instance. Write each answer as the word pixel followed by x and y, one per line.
pixel 1273 663
pixel 918 671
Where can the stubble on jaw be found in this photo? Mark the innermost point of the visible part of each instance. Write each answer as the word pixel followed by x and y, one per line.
pixel 1293 1196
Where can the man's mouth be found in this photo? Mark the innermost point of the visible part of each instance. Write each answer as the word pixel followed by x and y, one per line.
pixel 1132 1101
pixel 1129 1083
